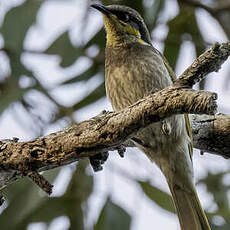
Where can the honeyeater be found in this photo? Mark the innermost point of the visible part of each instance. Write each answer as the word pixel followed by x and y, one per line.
pixel 134 69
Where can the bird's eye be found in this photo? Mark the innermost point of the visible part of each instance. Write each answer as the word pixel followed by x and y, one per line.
pixel 124 17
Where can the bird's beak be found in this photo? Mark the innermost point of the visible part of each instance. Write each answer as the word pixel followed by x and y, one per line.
pixel 111 23
pixel 102 9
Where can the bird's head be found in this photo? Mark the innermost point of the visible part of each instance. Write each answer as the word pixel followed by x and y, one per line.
pixel 123 25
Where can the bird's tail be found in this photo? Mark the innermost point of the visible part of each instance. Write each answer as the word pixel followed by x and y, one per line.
pixel 189 210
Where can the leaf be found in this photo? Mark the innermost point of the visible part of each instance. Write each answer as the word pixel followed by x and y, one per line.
pixel 113 217
pixel 77 194
pixel 161 198
pixel 14 28
pixel 49 209
pixel 31 207
pixel 97 94
pixel 16 24
pixel 152 13
pixel 193 29
pixel 97 39
pixel 183 24
pixel 92 97
pixel 63 47
pixel 173 41
pixel 86 75
pixel 10 92
pixel 137 5
pixel 81 184
pixel 24 199
pixel 219 190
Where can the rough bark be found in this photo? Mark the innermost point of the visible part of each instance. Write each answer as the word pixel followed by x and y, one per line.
pixel 110 130
pixel 212 134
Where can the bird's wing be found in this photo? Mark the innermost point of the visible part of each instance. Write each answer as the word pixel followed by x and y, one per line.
pixel 186 117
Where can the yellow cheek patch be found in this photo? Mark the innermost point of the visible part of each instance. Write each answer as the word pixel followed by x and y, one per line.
pixel 110 27
pixel 142 42
pixel 115 28
pixel 136 33
pixel 131 30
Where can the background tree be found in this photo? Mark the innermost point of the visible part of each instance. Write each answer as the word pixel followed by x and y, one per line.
pixel 52 74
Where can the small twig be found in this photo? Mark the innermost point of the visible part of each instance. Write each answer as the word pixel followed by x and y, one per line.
pixel 2 199
pixel 39 180
pixel 208 62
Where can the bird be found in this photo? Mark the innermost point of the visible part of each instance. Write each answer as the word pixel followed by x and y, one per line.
pixel 133 70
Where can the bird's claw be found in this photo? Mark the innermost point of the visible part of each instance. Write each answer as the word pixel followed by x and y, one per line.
pixel 98 160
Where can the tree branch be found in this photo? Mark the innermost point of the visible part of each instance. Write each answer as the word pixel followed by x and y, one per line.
pixel 208 62
pixel 110 130
pixel 212 134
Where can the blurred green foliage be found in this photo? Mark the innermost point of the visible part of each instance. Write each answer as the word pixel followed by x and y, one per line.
pixel 25 203
pixel 112 217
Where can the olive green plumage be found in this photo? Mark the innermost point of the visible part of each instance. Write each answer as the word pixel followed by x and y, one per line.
pixel 123 67
pixel 134 69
